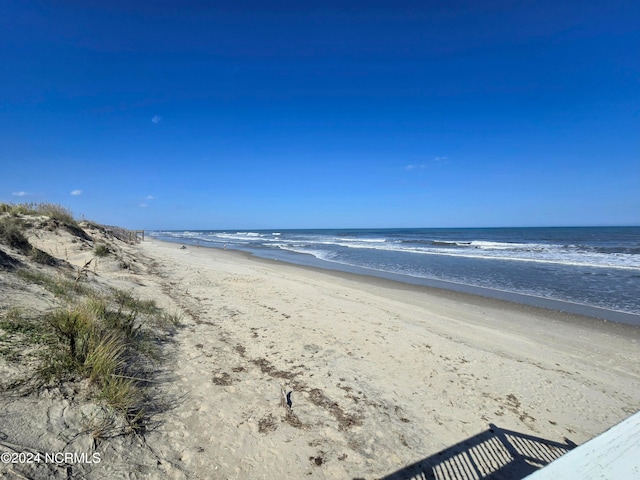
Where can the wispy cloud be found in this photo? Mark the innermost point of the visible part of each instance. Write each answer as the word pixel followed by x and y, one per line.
pixel 76 192
pixel 430 163
pixel 150 197
pixel 143 205
pixel 156 119
pixel 20 194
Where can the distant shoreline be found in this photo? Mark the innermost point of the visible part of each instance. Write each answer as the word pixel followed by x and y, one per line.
pixel 468 293
pixel 373 366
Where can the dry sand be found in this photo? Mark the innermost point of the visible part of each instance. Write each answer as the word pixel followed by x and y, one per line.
pixel 381 375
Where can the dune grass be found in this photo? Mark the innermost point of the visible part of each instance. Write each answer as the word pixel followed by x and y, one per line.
pixel 59 285
pixel 41 257
pixel 101 250
pixel 51 210
pixel 104 339
pixel 109 338
pixel 12 234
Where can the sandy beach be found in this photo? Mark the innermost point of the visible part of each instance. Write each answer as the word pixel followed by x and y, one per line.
pixel 376 375
pixel 284 240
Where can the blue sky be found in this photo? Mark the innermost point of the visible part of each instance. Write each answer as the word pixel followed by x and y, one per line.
pixel 290 114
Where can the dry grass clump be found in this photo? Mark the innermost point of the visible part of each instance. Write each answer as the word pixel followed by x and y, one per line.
pixel 17 208
pixel 104 340
pixel 109 340
pixel 51 210
pixel 112 340
pixel 55 212
pixel 101 250
pixel 58 215
pixel 11 234
pixel 59 285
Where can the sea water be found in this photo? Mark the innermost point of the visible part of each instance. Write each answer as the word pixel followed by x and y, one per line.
pixel 588 270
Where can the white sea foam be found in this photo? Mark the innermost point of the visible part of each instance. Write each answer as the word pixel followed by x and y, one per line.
pixel 324 246
pixel 536 253
pixel 496 259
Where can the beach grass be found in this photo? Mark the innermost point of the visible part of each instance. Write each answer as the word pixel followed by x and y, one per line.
pixel 41 257
pixel 59 285
pixel 51 210
pixel 105 336
pixel 104 340
pixel 101 250
pixel 12 234
pixel 94 340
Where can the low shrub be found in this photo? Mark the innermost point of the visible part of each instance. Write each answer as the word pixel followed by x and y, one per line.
pixel 101 250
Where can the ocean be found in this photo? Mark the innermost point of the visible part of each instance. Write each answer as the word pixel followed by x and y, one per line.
pixel 593 271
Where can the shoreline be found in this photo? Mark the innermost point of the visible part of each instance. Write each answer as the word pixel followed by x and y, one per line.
pixel 381 374
pixel 377 375
pixel 421 295
pixel 570 309
pixel 271 370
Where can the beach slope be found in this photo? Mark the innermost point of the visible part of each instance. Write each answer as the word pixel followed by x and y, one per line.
pixel 282 371
pixel 379 375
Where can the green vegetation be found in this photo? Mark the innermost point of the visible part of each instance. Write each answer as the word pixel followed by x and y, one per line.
pixel 106 340
pixel 110 338
pixel 14 324
pixel 60 286
pixel 101 250
pixel 18 334
pixel 168 320
pixel 51 210
pixel 11 234
pixel 55 212
pixel 17 209
pixel 58 215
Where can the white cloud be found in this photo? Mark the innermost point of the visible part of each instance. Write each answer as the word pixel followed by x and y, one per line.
pixel 143 205
pixel 150 197
pixel 156 119
pixel 76 192
pixel 431 163
pixel 19 194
